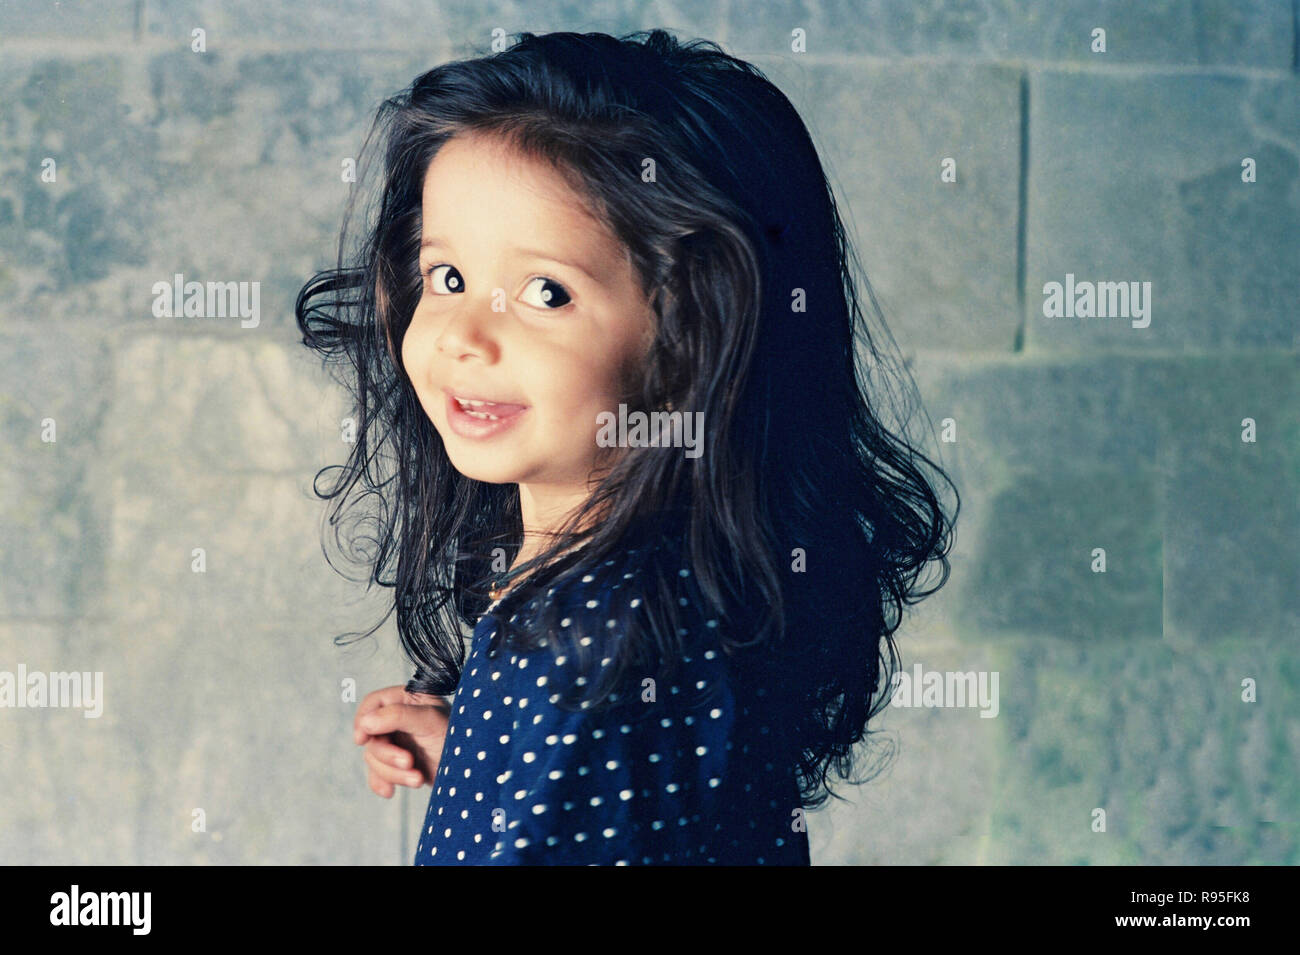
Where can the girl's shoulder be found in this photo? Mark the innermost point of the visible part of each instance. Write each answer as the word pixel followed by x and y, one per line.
pixel 595 586
pixel 589 616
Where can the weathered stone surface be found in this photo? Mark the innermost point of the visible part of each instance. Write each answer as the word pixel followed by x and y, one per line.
pixel 941 256
pixel 1217 33
pixel 1139 178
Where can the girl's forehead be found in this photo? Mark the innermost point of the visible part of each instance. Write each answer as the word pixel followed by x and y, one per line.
pixel 482 183
pixel 487 166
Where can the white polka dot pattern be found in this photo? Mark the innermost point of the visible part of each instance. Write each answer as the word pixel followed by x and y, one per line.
pixel 686 778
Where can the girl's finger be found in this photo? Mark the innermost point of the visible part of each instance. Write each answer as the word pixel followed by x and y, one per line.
pixel 418 720
pixel 390 753
pixel 390 774
pixel 377 698
pixel 378 786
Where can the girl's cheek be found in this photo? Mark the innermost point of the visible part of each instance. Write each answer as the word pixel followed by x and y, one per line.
pixel 417 345
pixel 404 354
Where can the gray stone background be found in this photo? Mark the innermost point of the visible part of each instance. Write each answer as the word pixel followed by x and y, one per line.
pixel 1120 691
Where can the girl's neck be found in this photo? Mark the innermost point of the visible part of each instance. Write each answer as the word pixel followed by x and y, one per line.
pixel 527 552
pixel 542 513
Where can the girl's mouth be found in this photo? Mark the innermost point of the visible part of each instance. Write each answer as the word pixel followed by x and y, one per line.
pixel 472 418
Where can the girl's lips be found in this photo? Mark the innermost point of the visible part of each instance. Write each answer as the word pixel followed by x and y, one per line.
pixel 485 404
pixel 471 425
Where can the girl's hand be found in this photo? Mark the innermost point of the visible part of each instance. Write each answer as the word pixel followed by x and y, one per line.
pixel 403 735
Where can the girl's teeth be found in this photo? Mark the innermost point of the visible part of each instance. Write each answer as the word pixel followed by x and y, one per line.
pixel 467 407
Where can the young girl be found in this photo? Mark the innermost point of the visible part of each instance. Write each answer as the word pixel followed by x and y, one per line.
pixel 675 642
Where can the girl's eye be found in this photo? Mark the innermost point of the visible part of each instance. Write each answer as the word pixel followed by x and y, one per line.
pixel 454 281
pixel 550 294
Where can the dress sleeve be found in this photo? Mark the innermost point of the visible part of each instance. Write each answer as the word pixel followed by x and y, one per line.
pixel 637 784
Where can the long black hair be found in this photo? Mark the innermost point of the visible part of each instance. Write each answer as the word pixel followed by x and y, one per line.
pixel 807 522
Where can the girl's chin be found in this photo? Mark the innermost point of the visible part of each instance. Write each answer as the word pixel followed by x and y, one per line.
pixel 485 472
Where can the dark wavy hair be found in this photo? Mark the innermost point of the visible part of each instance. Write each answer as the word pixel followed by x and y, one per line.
pixel 808 522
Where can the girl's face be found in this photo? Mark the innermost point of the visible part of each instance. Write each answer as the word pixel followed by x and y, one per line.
pixel 529 302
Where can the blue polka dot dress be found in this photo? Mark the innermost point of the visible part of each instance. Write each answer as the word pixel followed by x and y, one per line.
pixel 686 773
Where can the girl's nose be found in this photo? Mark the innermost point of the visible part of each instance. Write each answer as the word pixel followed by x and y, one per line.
pixel 469 328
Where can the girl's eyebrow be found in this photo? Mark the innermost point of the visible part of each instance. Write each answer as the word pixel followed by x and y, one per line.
pixel 432 241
